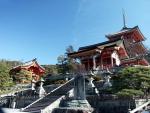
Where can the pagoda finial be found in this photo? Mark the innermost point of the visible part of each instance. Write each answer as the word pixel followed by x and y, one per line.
pixel 124 19
pixel 34 59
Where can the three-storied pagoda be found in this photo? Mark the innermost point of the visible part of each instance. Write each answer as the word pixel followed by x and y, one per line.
pixel 123 48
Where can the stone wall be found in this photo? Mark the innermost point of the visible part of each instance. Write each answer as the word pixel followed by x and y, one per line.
pixel 110 105
pixel 66 110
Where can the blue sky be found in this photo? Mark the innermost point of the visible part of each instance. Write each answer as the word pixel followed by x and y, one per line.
pixel 43 29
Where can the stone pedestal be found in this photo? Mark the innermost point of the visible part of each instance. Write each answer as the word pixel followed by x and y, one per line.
pixel 79 88
pixel 77 104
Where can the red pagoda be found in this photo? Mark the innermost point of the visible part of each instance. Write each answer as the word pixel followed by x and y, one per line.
pixel 31 66
pixel 123 48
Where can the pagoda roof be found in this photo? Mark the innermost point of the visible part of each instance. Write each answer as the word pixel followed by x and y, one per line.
pixel 125 31
pixel 142 59
pixel 121 32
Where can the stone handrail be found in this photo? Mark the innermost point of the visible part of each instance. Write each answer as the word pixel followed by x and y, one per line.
pixel 46 95
pixel 55 104
pixel 140 107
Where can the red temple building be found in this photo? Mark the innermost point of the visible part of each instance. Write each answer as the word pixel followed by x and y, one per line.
pixel 31 66
pixel 123 48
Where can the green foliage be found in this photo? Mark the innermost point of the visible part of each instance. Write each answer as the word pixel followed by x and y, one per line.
pixel 56 81
pixel 5 80
pixel 130 80
pixel 60 82
pixel 65 64
pixel 61 59
pixel 106 91
pixel 69 49
pixel 50 69
pixel 96 78
pixel 61 68
pixel 129 93
pixel 23 76
pixel 148 56
pixel 62 64
pixel 10 64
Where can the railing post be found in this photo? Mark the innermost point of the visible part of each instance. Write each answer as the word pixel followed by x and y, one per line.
pixel 129 110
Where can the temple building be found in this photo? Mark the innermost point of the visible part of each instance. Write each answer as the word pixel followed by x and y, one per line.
pixel 123 48
pixel 32 67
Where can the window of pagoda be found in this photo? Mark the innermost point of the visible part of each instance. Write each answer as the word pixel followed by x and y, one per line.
pixel 122 53
pixel 137 36
pixel 129 37
pixel 134 45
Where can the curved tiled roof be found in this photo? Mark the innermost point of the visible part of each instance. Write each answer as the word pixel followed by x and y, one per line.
pixel 122 31
pixel 94 46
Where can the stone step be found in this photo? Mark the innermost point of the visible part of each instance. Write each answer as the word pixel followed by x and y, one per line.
pixel 51 97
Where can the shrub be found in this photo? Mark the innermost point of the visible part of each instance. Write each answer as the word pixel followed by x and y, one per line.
pixel 60 82
pixel 135 78
pixel 96 78
pixel 129 93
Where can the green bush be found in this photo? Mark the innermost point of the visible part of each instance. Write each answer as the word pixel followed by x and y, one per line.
pixel 60 82
pixel 131 81
pixel 96 78
pixel 129 93
pixel 5 80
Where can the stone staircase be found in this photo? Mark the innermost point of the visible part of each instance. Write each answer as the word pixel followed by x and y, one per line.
pixel 51 97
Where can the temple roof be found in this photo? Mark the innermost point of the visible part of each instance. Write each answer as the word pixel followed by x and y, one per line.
pixel 32 66
pixel 94 46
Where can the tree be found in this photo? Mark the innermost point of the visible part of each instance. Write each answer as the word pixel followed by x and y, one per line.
pixel 70 61
pixel 130 80
pixel 147 56
pixel 23 76
pixel 69 49
pixel 50 69
pixel 5 80
pixel 61 66
pixel 65 64
pixel 129 93
pixel 61 59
